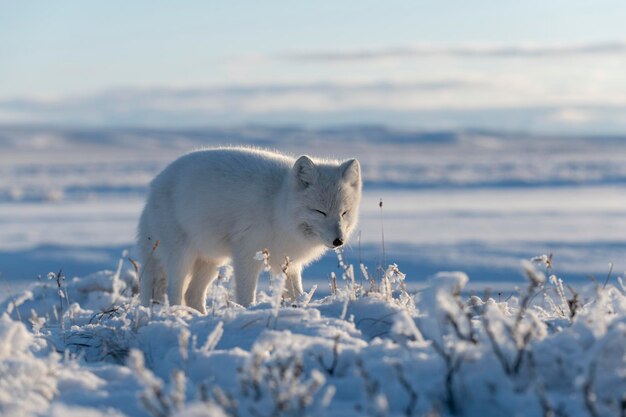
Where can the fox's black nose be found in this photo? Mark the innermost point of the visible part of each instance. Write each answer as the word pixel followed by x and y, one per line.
pixel 337 242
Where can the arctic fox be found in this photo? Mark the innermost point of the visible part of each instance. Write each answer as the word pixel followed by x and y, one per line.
pixel 212 206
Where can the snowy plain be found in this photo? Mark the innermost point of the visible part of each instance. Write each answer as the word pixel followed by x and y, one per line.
pixel 472 201
pixel 513 340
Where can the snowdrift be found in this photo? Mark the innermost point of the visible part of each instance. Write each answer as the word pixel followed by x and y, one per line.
pixel 84 347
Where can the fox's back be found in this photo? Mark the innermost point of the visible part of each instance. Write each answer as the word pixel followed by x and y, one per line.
pixel 220 191
pixel 222 173
pixel 240 167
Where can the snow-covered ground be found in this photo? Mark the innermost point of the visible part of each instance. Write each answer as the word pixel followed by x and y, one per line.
pixel 85 348
pixel 508 342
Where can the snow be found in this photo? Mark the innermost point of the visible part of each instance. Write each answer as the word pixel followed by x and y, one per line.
pixel 356 352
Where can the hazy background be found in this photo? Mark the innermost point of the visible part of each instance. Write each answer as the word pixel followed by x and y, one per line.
pixel 494 131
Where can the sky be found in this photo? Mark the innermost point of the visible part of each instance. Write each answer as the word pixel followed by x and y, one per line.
pixel 557 66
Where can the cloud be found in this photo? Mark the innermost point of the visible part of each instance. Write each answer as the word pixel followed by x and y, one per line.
pixel 235 97
pixel 470 101
pixel 575 116
pixel 462 51
pixel 291 88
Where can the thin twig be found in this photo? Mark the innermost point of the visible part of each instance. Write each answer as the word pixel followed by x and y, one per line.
pixel 608 277
pixel 382 232
pixel 590 396
pixel 413 397
pixel 333 365
pixel 360 262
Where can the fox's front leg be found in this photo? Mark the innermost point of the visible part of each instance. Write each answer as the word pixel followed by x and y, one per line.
pixel 247 270
pixel 293 285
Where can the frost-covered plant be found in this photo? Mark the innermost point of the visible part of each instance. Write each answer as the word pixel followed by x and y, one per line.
pixel 446 311
pixel 369 278
pixel 59 278
pixel 36 322
pixel 448 326
pixel 274 384
pixel 404 329
pixel 277 283
pixel 377 403
pixel 213 339
pixel 393 277
pixel 305 298
pixel 544 259
pixel 392 280
pixel 218 292
pixel 118 286
pixel 563 307
pixel 348 274
pixel 622 284
pixel 155 398
pixel 510 337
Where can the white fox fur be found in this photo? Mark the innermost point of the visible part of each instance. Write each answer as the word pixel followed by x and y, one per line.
pixel 216 205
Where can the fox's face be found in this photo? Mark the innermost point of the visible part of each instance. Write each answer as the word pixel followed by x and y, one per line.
pixel 325 199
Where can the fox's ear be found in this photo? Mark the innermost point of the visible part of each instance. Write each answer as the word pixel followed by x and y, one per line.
pixel 351 172
pixel 305 172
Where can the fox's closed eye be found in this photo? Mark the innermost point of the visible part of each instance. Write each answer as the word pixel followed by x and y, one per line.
pixel 320 212
pixel 344 213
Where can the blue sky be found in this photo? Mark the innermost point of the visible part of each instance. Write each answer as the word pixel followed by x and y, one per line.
pixel 545 66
